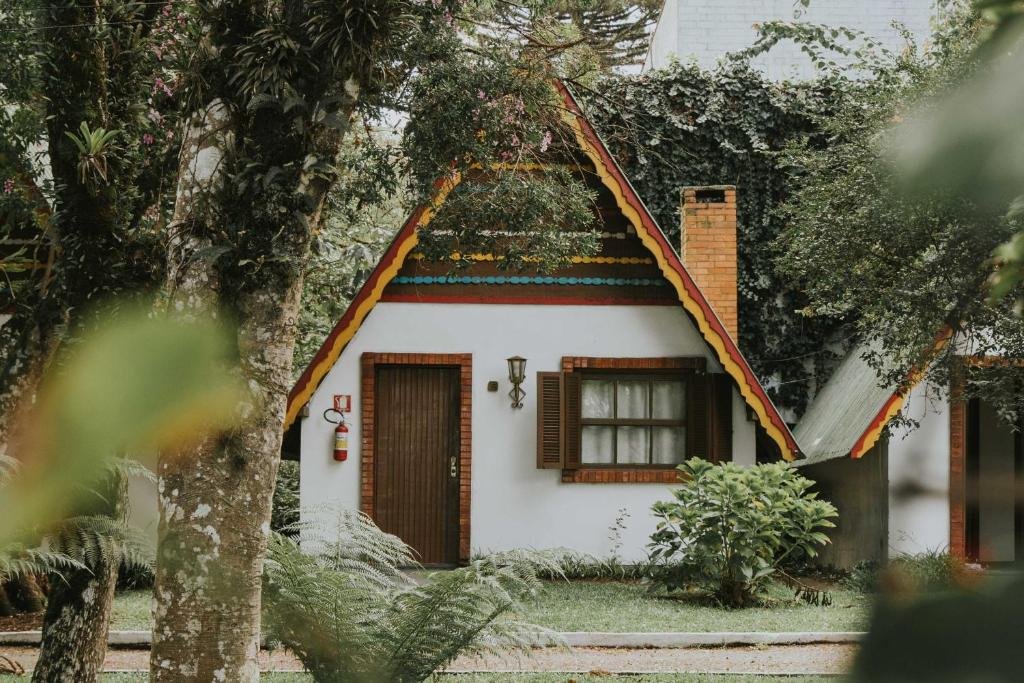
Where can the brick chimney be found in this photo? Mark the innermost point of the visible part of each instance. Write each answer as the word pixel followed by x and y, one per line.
pixel 709 248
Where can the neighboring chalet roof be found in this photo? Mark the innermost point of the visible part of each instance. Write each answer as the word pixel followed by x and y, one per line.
pixel 847 416
pixel 631 206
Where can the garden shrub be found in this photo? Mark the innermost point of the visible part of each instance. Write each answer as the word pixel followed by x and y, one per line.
pixel 134 577
pixel 730 528
pixel 571 565
pixel 926 572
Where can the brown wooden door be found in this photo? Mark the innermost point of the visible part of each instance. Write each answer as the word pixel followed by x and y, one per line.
pixel 417 458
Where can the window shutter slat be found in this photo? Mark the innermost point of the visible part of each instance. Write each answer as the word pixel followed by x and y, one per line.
pixel 698 417
pixel 549 420
pixel 571 431
pixel 721 418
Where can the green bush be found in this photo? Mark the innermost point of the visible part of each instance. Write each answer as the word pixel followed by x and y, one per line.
pixel 285 514
pixel 925 572
pixel 581 566
pixel 729 528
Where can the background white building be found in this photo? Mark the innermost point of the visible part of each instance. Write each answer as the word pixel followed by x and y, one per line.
pixel 706 30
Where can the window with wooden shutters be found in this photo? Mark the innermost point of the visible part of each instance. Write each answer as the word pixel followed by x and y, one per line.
pixel 631 419
pixel 721 418
pixel 632 414
pixel 549 420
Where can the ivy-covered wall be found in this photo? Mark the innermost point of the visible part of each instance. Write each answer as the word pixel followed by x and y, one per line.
pixel 686 126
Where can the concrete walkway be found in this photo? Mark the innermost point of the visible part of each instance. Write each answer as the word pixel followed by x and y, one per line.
pixel 572 638
pixel 816 659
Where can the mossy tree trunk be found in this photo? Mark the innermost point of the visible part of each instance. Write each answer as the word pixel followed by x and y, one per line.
pixel 75 626
pixel 77 619
pixel 215 498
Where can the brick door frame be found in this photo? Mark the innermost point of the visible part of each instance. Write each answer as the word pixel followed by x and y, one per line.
pixel 957 471
pixel 367 490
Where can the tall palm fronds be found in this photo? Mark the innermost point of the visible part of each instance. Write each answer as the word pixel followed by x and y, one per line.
pixel 347 611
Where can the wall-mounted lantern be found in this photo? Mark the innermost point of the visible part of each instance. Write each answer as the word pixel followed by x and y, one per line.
pixel 516 375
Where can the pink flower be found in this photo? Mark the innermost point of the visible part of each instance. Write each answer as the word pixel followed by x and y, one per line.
pixel 545 141
pixel 160 86
pixel 481 95
pixel 147 139
pixel 9 186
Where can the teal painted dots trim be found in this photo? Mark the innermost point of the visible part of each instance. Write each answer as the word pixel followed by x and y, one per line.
pixel 526 280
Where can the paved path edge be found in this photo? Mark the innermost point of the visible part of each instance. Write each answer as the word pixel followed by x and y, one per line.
pixel 572 638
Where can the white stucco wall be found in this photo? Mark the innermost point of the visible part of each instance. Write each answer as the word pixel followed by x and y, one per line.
pixel 513 503
pixel 705 30
pixel 919 476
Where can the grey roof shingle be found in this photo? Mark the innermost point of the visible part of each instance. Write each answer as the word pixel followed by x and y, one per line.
pixel 841 411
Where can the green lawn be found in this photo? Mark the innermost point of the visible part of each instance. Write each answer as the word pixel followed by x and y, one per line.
pixel 614 606
pixel 133 611
pixel 646 678
pixel 513 678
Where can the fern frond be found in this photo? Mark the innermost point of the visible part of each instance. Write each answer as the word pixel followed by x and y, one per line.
pixel 95 539
pixel 17 561
pixel 129 468
pixel 342 605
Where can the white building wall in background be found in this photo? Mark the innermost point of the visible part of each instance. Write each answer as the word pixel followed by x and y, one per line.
pixel 919 476
pixel 513 504
pixel 706 30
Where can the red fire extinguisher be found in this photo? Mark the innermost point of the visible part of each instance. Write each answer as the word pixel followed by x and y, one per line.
pixel 341 442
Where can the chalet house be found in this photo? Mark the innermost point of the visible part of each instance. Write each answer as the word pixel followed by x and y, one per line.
pixel 949 484
pixel 489 411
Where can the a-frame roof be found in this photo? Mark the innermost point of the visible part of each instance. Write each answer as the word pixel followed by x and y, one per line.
pixel 850 413
pixel 847 416
pixel 629 202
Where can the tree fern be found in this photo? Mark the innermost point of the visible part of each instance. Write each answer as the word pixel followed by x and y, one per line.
pixel 95 539
pixel 342 605
pixel 79 542
pixel 17 561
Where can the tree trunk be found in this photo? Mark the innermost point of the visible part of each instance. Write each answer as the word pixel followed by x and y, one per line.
pixel 25 595
pixel 215 499
pixel 215 507
pixel 75 626
pixel 77 617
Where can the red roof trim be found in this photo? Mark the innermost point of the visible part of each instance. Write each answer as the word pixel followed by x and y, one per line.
pixel 323 354
pixel 672 259
pixel 668 256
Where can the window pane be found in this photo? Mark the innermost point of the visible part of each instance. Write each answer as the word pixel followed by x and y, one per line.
pixel 597 398
pixel 632 445
pixel 598 447
pixel 669 447
pixel 669 400
pixel 632 399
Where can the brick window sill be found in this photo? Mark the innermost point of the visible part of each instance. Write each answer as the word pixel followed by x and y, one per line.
pixel 607 475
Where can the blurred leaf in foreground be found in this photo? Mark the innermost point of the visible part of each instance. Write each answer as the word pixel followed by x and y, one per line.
pixel 140 382
pixel 970 141
pixel 969 635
